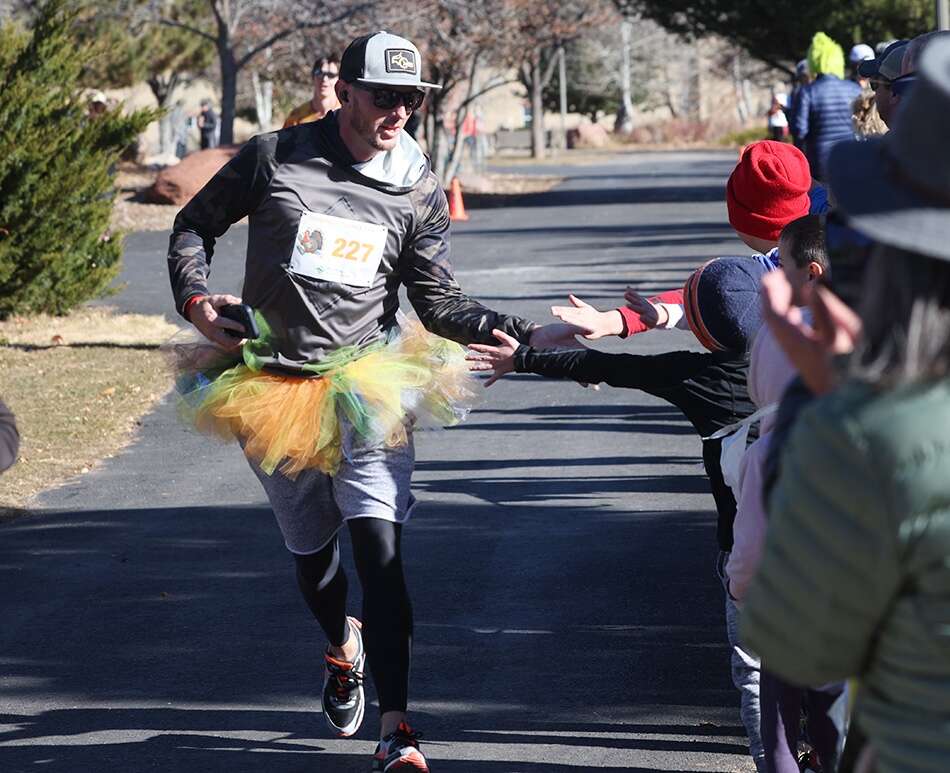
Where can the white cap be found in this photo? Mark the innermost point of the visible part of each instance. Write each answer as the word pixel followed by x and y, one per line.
pixel 860 52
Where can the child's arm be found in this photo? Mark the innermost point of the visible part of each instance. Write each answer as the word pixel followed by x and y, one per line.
pixel 597 324
pixel 655 373
pixel 655 312
pixel 637 316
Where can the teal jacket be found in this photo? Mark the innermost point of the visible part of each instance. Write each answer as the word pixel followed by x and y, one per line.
pixel 855 577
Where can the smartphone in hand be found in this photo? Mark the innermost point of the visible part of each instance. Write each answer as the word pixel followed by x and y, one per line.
pixel 243 315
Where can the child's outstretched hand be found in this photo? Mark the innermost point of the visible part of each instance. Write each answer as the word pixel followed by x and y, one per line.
pixel 591 322
pixel 651 314
pixel 500 359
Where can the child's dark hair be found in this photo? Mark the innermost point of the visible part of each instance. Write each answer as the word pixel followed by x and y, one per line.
pixel 804 242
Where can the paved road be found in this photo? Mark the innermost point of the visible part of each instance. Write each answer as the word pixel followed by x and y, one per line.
pixel 561 562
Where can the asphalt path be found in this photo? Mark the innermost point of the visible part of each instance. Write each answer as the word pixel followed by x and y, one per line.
pixel 561 562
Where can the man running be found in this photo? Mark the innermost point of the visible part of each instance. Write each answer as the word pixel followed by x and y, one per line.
pixel 341 212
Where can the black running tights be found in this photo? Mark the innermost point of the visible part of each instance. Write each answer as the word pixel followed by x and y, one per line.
pixel 387 613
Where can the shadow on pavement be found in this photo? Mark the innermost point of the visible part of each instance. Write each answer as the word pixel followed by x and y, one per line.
pixel 174 639
pixel 591 197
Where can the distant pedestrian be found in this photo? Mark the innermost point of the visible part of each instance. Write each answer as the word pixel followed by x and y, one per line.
pixel 98 104
pixel 324 74
pixel 778 120
pixel 802 79
pixel 862 52
pixel 823 113
pixel 208 125
pixel 9 438
pixel 179 123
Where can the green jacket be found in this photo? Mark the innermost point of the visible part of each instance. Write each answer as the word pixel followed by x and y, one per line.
pixel 855 577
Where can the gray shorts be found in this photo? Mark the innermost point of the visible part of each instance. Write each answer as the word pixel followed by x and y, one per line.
pixel 371 483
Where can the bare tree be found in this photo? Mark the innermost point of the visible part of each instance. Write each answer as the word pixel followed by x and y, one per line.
pixel 544 27
pixel 468 48
pixel 240 30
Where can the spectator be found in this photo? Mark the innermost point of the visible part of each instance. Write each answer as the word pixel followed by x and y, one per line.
pixel 9 438
pixel 916 47
pixel 324 74
pixel 179 122
pixel 855 585
pixel 802 79
pixel 803 244
pixel 865 117
pixel 778 120
pixel 98 104
pixel 881 72
pixel 859 53
pixel 823 113
pixel 208 125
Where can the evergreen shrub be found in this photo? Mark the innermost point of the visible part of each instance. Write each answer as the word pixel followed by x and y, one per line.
pixel 56 164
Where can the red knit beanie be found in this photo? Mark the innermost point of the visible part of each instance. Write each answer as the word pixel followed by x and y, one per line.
pixel 768 189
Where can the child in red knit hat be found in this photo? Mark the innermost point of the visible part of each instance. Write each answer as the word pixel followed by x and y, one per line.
pixel 767 190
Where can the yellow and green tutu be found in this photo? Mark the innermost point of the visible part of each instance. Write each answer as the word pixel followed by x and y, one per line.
pixel 292 423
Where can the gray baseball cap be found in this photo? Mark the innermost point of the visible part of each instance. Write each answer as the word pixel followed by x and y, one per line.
pixel 383 59
pixel 887 65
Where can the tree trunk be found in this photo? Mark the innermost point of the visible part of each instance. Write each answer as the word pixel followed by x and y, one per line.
pixel 454 158
pixel 537 109
pixel 624 122
pixel 162 91
pixel 229 72
pixel 263 101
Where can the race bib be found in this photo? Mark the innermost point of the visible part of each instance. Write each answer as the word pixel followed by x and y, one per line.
pixel 335 249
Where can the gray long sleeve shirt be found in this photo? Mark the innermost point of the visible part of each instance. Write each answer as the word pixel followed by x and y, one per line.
pixel 287 181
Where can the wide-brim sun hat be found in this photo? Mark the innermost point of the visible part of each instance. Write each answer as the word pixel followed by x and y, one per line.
pixel 896 189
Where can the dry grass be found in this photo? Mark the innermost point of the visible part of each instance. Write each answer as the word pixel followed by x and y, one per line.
pixel 79 386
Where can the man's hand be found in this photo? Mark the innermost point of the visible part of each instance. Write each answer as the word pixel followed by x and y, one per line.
pixel 500 359
pixel 651 314
pixel 554 335
pixel 591 323
pixel 204 316
pixel 811 348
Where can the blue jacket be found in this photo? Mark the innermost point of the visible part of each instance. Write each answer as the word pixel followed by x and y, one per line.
pixel 823 117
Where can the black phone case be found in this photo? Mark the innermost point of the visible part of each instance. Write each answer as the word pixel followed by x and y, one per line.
pixel 243 315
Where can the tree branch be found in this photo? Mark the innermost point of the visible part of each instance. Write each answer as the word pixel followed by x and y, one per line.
pixel 300 25
pixel 188 28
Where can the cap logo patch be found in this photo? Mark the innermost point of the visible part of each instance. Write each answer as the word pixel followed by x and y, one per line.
pixel 400 60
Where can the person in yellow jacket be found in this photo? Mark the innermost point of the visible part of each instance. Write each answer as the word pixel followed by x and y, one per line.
pixel 325 72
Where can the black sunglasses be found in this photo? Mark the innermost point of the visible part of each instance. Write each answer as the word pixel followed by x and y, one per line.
pixel 876 84
pixel 387 99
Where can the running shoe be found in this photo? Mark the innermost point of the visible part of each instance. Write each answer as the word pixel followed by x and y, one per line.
pixel 400 751
pixel 343 699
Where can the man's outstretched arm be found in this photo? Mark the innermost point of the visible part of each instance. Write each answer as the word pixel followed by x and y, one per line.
pixel 443 308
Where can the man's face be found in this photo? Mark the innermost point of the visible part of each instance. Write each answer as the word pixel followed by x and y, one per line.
pixel 884 99
pixel 324 79
pixel 372 128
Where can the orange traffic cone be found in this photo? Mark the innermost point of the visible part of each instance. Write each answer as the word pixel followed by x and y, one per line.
pixel 456 206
